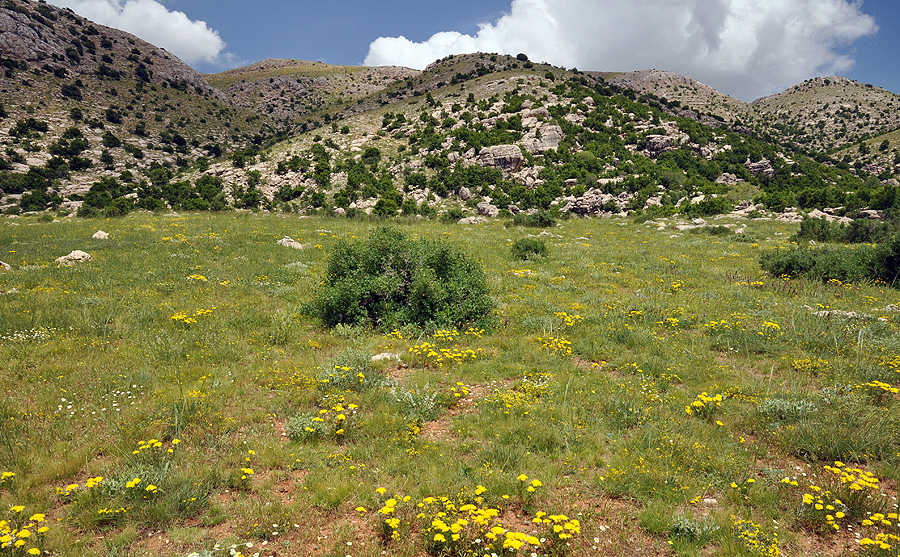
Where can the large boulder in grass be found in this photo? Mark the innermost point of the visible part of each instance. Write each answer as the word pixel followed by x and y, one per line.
pixel 76 256
pixel 100 235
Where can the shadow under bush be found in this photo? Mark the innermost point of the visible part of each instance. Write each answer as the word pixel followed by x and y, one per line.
pixel 389 281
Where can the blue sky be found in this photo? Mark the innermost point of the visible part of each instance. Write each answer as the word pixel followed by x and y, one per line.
pixel 746 48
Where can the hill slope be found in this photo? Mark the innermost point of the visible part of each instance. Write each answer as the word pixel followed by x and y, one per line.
pixel 100 102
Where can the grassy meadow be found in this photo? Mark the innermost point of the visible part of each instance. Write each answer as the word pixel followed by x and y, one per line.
pixel 639 391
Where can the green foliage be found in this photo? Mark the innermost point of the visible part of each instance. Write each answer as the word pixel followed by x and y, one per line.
pixel 389 281
pixel 540 219
pixel 529 248
pixel 826 263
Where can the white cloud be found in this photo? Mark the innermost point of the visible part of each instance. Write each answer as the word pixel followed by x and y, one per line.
pixel 746 48
pixel 191 40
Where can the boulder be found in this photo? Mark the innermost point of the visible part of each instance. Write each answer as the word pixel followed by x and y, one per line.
pixel 763 166
pixel 100 235
pixel 542 138
pixel 514 209
pixel 465 194
pixel 869 214
pixel 289 242
pixel 4 267
pixel 487 210
pixel 728 178
pixel 657 144
pixel 386 356
pixel 76 256
pixel 505 157
pixel 472 220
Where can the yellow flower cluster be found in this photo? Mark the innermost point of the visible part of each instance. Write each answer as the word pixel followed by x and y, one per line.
pixel 856 478
pixel 883 542
pixel 822 510
pixel 813 366
pixel 704 405
pixel 446 335
pixel 556 345
pixel 16 534
pixel 438 357
pixel 562 527
pixel 569 320
pixel 185 318
pixel 754 539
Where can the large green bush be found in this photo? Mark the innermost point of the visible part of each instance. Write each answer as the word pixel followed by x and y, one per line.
pixel 390 280
pixel 847 264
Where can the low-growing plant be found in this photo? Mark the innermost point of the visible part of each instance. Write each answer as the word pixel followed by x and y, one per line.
pixel 529 248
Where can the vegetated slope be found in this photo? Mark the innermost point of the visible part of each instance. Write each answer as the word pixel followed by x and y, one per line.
pixel 81 101
pixel 829 113
pixel 288 90
pixel 512 137
pixel 682 91
pixel 823 115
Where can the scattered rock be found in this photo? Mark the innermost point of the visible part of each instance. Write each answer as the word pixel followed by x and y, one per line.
pixel 486 209
pixel 514 209
pixel 100 235
pixel 828 314
pixel 386 356
pixel 790 215
pixel 890 308
pixel 289 242
pixel 5 267
pixel 698 222
pixel 763 166
pixel 869 214
pixel 728 178
pixel 710 502
pixel 465 194
pixel 76 256
pixel 472 220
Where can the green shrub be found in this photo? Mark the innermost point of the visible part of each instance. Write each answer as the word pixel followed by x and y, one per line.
pixel 541 219
pixel 844 264
pixel 529 248
pixel 389 281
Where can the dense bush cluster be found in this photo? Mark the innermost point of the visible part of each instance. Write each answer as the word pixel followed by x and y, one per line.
pixel 846 264
pixel 857 232
pixel 389 281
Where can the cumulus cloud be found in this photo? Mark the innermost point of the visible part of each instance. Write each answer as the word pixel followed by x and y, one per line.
pixel 746 48
pixel 191 40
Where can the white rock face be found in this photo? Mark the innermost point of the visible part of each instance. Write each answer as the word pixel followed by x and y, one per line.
pixel 76 256
pixel 100 235
pixel 504 157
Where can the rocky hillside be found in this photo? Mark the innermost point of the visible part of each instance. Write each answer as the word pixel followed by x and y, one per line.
pixel 824 115
pixel 292 90
pixel 115 125
pixel 99 103
pixel 520 138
